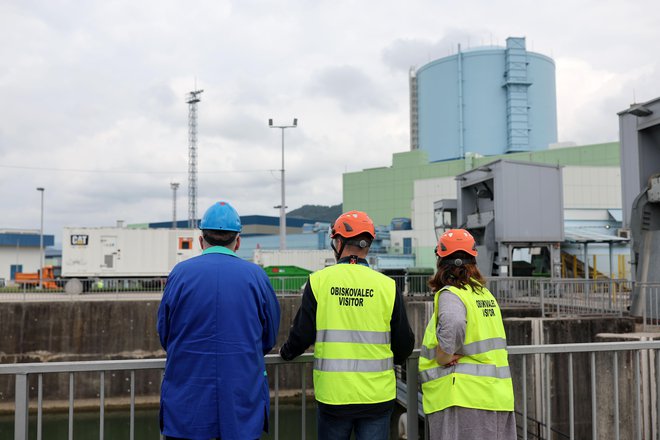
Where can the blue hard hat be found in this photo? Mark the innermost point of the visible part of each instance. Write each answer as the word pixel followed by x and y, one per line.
pixel 221 216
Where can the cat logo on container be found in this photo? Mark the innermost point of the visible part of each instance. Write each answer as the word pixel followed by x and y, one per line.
pixel 79 240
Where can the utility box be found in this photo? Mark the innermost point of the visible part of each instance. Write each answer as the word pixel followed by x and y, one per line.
pixel 287 278
pixel 310 259
pixel 509 204
pixel 124 253
pixel 524 199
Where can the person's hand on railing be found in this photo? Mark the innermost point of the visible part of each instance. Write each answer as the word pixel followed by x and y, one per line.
pixel 454 360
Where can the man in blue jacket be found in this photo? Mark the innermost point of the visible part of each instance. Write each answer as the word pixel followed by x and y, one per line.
pixel 218 317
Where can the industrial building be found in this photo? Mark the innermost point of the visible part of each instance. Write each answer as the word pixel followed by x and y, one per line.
pixel 591 182
pixel 495 105
pixel 20 252
pixel 639 131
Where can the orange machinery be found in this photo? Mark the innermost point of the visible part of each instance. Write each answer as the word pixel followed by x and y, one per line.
pixel 32 279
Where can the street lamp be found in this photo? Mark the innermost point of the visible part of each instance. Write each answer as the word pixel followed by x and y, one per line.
pixel 41 241
pixel 283 205
pixel 174 186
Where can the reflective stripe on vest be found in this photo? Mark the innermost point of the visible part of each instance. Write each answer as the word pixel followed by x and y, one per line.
pixel 471 369
pixel 354 365
pixel 353 336
pixel 469 349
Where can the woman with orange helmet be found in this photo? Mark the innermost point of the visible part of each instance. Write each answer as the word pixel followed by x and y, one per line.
pixel 463 365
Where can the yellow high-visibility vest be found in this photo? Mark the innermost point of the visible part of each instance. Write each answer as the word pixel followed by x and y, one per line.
pixel 353 360
pixel 481 379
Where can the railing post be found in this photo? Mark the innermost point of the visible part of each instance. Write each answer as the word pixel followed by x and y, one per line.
pixel 22 407
pixel 412 403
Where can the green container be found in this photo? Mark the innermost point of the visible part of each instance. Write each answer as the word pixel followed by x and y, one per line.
pixel 287 278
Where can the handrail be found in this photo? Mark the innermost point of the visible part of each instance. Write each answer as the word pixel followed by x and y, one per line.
pixel 272 359
pixel 23 371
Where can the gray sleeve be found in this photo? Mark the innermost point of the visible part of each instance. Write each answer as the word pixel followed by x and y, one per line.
pixel 451 323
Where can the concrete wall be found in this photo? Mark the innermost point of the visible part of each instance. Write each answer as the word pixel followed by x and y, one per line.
pixel 80 331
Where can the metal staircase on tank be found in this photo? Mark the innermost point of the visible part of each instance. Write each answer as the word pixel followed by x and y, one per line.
pixel 516 84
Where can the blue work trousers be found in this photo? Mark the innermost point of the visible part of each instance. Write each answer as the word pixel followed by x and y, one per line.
pixel 365 428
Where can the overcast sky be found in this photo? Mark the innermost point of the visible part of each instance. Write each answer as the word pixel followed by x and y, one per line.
pixel 93 93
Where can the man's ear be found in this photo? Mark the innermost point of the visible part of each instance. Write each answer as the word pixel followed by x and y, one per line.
pixel 201 242
pixel 238 243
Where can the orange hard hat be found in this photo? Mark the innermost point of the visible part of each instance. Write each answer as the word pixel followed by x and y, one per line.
pixel 455 240
pixel 351 224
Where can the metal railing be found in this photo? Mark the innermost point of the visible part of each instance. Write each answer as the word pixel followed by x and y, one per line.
pixel 595 390
pixel 88 286
pixel 648 304
pixel 291 285
pixel 554 297
pixel 564 297
pixel 557 297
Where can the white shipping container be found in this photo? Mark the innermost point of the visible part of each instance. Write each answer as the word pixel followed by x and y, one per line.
pixel 121 252
pixel 307 259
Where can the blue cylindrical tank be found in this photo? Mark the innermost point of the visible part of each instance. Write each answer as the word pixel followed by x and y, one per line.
pixel 488 101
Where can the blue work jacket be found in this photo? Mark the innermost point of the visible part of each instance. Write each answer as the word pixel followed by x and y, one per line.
pixel 218 317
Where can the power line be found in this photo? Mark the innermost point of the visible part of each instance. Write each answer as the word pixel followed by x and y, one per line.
pixel 90 170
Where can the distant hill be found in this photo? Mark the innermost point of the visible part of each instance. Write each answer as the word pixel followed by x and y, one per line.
pixel 317 212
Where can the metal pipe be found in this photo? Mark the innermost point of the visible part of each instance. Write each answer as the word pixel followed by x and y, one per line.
pixel 277 402
pixel 40 396
pixel 282 189
pixel 304 398
pixel 102 406
pixel 571 406
pixel 71 399
pixel 21 401
pixel 548 399
pixel 586 261
pixel 282 204
pixel 132 414
pixel 524 396
pixel 615 368
pixel 461 140
pixel 412 401
pixel 657 392
pixel 638 397
pixel 594 399
pixel 41 241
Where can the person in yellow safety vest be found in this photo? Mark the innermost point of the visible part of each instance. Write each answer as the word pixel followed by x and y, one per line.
pixel 357 321
pixel 463 364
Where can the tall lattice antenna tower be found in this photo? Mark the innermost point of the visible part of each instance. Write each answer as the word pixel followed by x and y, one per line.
pixel 193 99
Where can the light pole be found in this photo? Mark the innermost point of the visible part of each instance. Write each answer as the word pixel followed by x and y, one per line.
pixel 174 186
pixel 283 205
pixel 41 241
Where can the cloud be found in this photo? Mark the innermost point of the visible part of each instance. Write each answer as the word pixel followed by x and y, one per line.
pixel 353 90
pixel 589 98
pixel 94 93
pixel 404 53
